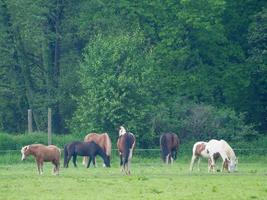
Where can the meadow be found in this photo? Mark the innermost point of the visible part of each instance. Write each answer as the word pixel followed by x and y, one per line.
pixel 150 179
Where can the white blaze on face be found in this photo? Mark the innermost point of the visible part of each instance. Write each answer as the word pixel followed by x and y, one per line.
pixel 23 157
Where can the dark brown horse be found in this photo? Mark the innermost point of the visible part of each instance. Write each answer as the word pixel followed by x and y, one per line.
pixel 126 145
pixel 169 145
pixel 78 148
pixel 102 140
pixel 43 154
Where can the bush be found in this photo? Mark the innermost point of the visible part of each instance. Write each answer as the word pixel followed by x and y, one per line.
pixel 7 142
pixel 203 122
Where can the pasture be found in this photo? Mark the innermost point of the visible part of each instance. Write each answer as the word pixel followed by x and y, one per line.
pixel 150 179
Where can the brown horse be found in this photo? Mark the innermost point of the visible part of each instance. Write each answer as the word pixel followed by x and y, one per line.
pixel 169 144
pixel 43 154
pixel 126 145
pixel 102 140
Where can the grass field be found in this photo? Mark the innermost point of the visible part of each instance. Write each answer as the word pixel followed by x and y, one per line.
pixel 150 179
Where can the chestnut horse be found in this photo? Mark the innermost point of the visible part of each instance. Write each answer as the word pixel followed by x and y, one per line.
pixel 102 140
pixel 126 145
pixel 78 148
pixel 43 154
pixel 169 145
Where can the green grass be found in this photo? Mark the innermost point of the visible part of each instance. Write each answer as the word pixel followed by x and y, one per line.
pixel 150 179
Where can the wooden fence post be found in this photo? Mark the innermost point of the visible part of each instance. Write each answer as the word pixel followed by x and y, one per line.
pixel 29 121
pixel 49 126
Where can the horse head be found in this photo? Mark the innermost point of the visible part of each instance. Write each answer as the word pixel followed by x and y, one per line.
pixel 122 131
pixel 25 151
pixel 232 165
pixel 107 161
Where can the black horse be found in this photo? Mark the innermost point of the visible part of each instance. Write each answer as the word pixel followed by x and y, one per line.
pixel 90 149
pixel 169 144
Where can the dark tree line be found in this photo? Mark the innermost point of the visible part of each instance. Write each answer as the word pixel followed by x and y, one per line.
pixel 197 68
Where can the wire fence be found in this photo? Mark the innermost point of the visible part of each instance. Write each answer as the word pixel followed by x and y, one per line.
pixel 13 156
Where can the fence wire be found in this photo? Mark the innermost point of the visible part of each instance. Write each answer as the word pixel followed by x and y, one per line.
pixel 14 156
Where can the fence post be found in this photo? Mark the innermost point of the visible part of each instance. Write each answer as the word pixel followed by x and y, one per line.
pixel 49 126
pixel 29 121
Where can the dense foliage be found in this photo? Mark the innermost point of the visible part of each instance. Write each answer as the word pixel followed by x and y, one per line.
pixel 197 68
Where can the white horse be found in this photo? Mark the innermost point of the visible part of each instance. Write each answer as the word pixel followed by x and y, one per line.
pixel 227 154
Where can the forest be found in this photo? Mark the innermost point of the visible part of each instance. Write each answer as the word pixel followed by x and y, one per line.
pixel 196 68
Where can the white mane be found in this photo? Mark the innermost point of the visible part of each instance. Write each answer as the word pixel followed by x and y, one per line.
pixel 122 131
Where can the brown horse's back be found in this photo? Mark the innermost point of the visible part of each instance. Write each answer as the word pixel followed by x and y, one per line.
pixel 102 140
pixel 46 153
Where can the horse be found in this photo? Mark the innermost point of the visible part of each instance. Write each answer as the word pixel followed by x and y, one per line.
pixel 169 145
pixel 78 148
pixel 227 154
pixel 199 151
pixel 43 154
pixel 102 140
pixel 126 145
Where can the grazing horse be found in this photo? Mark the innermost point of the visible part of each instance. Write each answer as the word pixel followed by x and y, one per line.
pixel 126 145
pixel 199 151
pixel 227 154
pixel 102 140
pixel 78 148
pixel 43 154
pixel 169 144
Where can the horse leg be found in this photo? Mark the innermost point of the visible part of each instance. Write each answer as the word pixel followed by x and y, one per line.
pixel 212 164
pixel 171 160
pixel 68 160
pixel 42 167
pixel 167 159
pixel 192 163
pixel 198 163
pixel 74 158
pixel 93 160
pixel 121 163
pixel 85 160
pixel 56 167
pixel 89 162
pixel 38 166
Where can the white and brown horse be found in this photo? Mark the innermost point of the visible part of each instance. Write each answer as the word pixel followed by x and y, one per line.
pixel 103 140
pixel 227 154
pixel 43 154
pixel 126 145
pixel 169 145
pixel 199 151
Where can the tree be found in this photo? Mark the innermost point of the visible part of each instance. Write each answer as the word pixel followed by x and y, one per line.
pixel 117 79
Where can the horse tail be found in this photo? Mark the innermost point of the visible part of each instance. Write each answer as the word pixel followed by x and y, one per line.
pixel 65 155
pixel 128 147
pixel 107 144
pixel 164 147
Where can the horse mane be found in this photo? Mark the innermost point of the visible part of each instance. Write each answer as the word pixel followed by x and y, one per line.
pixel 229 149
